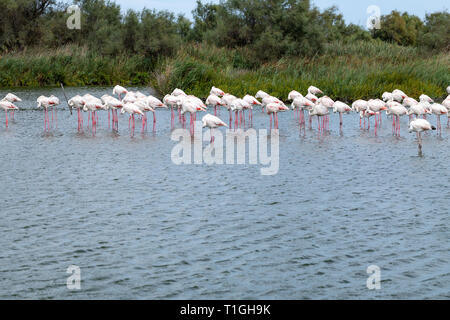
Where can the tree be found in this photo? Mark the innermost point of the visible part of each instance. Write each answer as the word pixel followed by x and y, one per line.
pixel 435 35
pixel 402 29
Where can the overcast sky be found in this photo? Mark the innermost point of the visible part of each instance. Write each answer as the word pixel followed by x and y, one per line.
pixel 353 11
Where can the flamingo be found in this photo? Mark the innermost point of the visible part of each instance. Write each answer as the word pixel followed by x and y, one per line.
pixel 360 106
pixel 212 122
pixel 387 96
pixel 293 95
pixel 154 103
pixel 91 106
pixel 320 111
pixel 228 99
pixel 376 105
pixel 237 105
pixel 396 110
pixel 120 91
pixel 131 109
pixel 341 107
pixel 261 95
pixel 45 103
pixel 420 109
pixel 315 91
pixel 366 114
pixel 425 98
pixel 408 102
pixel 272 109
pixel 7 106
pixel 191 106
pixel 216 91
pixel 398 95
pixel 77 102
pixel 446 103
pixel 214 101
pixel 300 103
pixel 178 92
pixel 329 103
pixel 145 107
pixel 438 110
pixel 419 126
pixel 94 104
pixel 251 100
pixel 12 98
pixel 113 104
pixel 171 101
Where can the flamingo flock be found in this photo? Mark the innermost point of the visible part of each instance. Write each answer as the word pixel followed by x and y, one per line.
pixel 315 103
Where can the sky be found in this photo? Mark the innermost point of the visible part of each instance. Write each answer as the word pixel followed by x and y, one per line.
pixel 353 11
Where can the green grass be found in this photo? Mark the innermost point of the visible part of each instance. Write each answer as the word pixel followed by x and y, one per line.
pixel 344 71
pixel 72 66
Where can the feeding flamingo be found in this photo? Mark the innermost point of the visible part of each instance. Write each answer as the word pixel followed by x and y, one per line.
pixel 12 98
pixel 300 103
pixel 7 106
pixel 446 103
pixel 438 110
pixel 272 109
pixel 341 107
pixel 376 105
pixel 420 109
pixel 154 103
pixel 360 106
pixel 212 122
pixel 131 109
pixel 396 110
pixel 217 92
pixel 112 104
pixel 329 103
pixel 228 99
pixel 172 102
pixel 237 106
pixel 214 101
pixel 45 103
pixel 320 111
pixel 191 106
pixel 251 100
pixel 77 102
pixel 366 114
pixel 418 126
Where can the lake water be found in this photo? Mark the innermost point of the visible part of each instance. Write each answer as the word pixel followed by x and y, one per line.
pixel 141 227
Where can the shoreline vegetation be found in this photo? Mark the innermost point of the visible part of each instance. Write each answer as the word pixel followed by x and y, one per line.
pixel 226 45
pixel 345 71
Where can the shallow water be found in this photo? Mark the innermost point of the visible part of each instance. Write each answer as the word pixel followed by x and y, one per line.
pixel 142 227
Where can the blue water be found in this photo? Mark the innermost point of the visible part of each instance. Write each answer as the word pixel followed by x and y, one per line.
pixel 141 227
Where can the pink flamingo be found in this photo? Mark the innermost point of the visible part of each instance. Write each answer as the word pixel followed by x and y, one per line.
pixel 7 106
pixel 212 122
pixel 273 109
